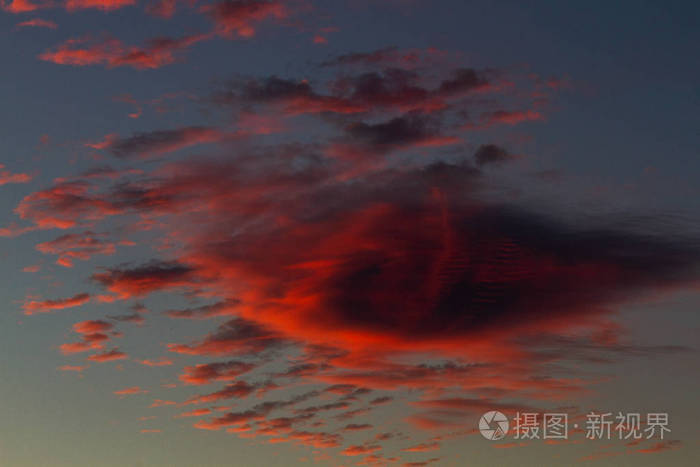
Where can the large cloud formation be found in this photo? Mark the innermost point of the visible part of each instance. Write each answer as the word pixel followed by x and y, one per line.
pixel 369 262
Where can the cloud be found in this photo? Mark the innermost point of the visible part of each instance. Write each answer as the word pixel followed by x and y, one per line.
pixel 162 8
pixel 24 6
pixel 156 143
pixel 258 412
pixel 235 337
pixel 79 347
pixel 112 53
pixel 239 18
pixel 385 56
pixel 239 389
pixel 402 132
pixel 359 450
pixel 423 447
pixel 491 154
pixel 153 363
pixel 75 368
pixel 37 23
pixel 63 205
pixel 8 177
pixel 661 446
pixel 144 279
pixel 360 248
pixel 94 336
pixel 161 403
pixel 130 391
pixel 46 306
pixel 293 96
pixel 357 427
pixel 104 5
pixel 206 373
pixel 21 6
pixel 111 355
pixel 509 117
pixel 92 326
pixel 225 308
pixel 129 318
pixel 80 246
pixel 194 413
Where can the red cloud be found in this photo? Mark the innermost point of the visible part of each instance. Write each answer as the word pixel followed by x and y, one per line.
pixel 155 143
pixel 92 326
pixel 240 17
pixel 156 275
pixel 206 373
pixel 113 53
pixel 105 5
pixel 361 264
pixel 76 368
pixel 423 447
pixel 8 177
pixel 130 391
pixel 94 336
pixel 24 6
pixel 505 117
pixel 194 413
pixel 76 246
pixel 661 446
pixel 109 356
pixel 161 403
pixel 63 205
pixel 161 362
pixel 21 6
pixel 78 347
pixel 162 8
pixel 359 450
pixel 47 306
pixel 37 23
pixel 235 337
pixel 239 390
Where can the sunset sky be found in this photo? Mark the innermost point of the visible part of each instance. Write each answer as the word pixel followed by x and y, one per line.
pixel 263 233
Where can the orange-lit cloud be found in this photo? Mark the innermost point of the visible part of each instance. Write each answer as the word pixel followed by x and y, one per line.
pixel 236 18
pixel 113 53
pixel 130 391
pixel 108 356
pixel 37 23
pixel 8 177
pixel 206 373
pixel 46 306
pixel 76 246
pixel 105 5
pixel 372 265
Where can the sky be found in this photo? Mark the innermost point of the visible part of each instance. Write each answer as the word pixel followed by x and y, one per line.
pixel 299 232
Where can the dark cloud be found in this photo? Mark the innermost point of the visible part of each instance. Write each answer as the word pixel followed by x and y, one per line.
pixel 235 337
pixel 206 373
pixel 377 57
pixel 258 412
pixel 491 154
pixel 154 143
pixel 398 132
pixel 206 311
pixel 239 390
